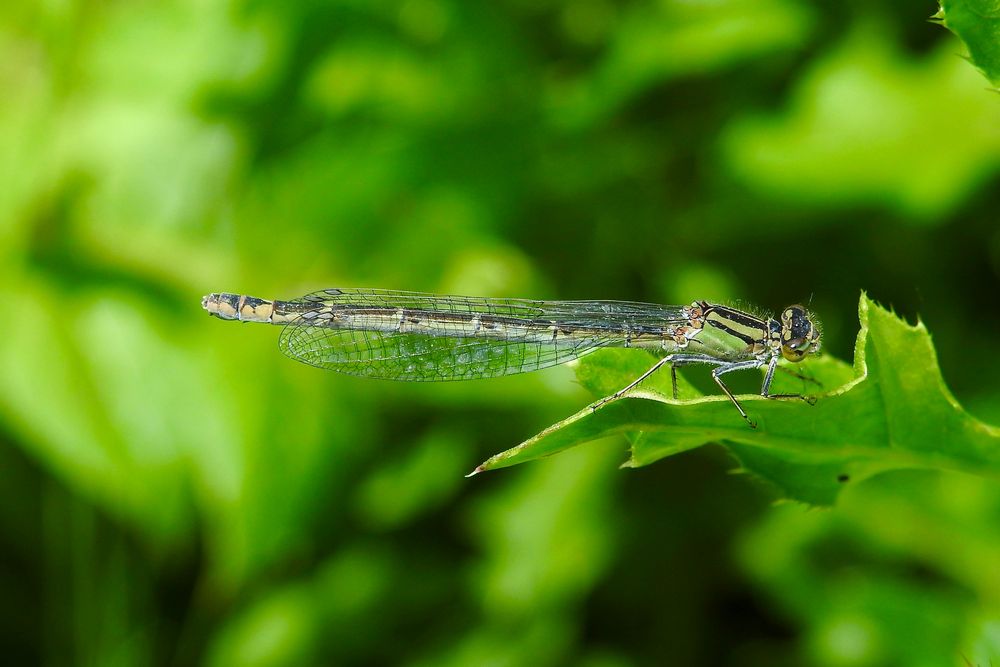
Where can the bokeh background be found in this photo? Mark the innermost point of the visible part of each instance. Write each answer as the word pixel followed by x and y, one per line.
pixel 173 491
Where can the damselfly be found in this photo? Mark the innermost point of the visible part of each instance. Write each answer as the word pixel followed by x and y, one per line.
pixel 429 337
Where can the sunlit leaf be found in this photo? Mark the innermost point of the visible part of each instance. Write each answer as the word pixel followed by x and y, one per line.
pixel 895 413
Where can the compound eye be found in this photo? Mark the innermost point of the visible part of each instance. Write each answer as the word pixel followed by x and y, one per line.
pixel 795 349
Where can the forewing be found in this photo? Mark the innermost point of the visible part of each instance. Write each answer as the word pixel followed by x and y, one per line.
pixel 617 315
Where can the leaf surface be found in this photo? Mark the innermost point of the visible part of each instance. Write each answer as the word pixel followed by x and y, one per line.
pixel 890 411
pixel 977 23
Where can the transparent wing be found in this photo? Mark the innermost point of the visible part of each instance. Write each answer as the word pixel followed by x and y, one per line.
pixel 610 314
pixel 417 357
pixel 349 331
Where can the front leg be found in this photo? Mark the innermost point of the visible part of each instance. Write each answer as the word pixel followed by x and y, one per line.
pixel 765 389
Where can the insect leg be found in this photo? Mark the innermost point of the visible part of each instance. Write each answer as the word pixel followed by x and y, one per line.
pixel 673 360
pixel 737 366
pixel 765 389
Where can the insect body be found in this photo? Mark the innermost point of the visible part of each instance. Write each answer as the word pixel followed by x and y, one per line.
pixel 427 337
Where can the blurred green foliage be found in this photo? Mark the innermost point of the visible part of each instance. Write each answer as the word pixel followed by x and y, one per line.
pixel 176 492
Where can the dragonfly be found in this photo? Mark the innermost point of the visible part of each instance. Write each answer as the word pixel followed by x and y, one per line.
pixel 415 336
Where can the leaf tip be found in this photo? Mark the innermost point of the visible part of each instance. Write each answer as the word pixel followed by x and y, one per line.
pixel 478 469
pixel 864 303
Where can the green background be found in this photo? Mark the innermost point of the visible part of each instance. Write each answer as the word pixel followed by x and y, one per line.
pixel 173 491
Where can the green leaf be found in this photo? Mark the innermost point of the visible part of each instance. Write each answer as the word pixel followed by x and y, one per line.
pixel 891 411
pixel 977 23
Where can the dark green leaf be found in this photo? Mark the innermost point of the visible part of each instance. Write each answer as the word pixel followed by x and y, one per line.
pixel 977 23
pixel 892 411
